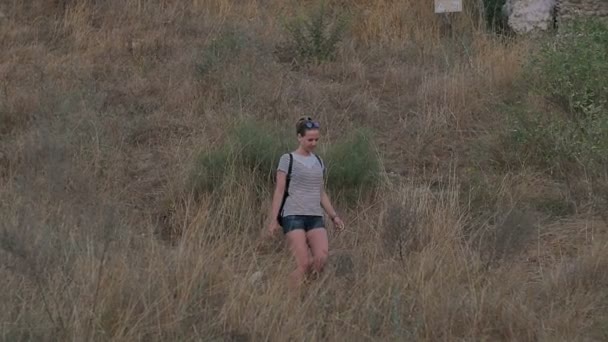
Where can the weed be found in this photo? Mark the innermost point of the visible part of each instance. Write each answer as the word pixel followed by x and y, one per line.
pixel 315 35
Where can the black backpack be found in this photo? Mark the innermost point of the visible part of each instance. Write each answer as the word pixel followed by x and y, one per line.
pixel 287 181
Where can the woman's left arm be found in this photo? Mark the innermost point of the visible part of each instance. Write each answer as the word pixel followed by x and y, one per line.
pixel 329 209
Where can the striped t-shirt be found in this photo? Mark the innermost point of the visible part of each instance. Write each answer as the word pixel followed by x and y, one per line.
pixel 306 185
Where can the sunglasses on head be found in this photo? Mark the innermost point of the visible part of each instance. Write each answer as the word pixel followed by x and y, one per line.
pixel 309 123
pixel 312 124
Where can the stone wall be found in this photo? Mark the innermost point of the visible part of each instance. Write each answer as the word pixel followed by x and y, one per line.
pixel 568 9
pixel 528 15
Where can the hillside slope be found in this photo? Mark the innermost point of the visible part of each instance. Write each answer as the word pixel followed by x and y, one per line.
pixel 107 107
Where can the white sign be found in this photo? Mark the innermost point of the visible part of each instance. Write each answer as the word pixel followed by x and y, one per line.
pixel 445 6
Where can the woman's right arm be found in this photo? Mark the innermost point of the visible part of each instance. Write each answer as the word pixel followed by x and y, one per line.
pixel 276 200
pixel 279 189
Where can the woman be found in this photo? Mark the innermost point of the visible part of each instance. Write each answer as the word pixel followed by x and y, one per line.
pixel 298 200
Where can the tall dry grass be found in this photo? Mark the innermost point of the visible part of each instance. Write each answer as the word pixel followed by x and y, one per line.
pixel 104 105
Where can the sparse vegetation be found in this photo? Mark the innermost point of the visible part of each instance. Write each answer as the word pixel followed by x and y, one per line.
pixel 139 140
pixel 227 45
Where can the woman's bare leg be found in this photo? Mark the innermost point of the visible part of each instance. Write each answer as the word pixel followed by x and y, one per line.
pixel 319 245
pixel 296 240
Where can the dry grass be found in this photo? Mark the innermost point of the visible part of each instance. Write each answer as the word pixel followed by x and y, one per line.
pixel 104 105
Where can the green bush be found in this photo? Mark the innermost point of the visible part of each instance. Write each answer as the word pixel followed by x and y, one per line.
pixel 571 69
pixel 314 36
pixel 250 147
pixel 569 73
pixel 353 165
pixel 259 147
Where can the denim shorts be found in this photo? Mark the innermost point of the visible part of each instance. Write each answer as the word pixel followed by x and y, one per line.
pixel 305 222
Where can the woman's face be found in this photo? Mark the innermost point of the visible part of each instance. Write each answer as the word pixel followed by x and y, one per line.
pixel 309 140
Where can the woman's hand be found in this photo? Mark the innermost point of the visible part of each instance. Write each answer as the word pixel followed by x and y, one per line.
pixel 273 228
pixel 338 223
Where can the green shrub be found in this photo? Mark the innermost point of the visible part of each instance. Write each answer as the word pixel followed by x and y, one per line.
pixel 258 147
pixel 571 69
pixel 569 73
pixel 254 148
pixel 250 147
pixel 353 165
pixel 315 35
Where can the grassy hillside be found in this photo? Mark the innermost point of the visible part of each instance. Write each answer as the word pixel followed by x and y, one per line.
pixel 134 187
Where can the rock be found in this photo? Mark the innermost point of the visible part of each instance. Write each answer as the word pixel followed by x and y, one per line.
pixel 529 15
pixel 256 278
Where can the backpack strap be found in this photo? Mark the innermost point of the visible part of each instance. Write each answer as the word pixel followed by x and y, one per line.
pixel 289 168
pixel 286 192
pixel 321 162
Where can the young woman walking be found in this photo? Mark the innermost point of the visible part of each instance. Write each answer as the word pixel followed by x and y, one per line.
pixel 298 203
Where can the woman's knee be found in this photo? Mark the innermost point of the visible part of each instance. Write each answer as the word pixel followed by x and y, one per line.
pixel 321 258
pixel 304 265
